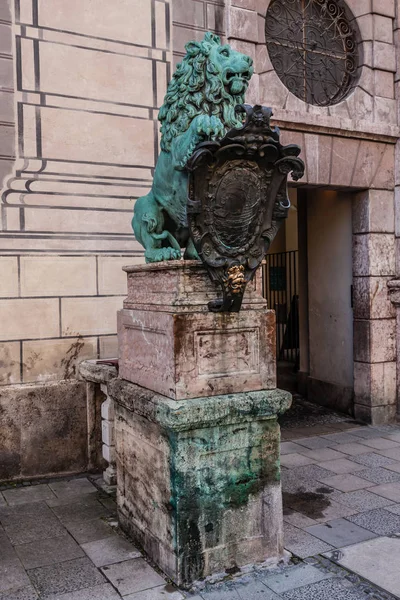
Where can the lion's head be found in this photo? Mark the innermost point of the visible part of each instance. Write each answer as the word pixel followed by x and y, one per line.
pixel 211 79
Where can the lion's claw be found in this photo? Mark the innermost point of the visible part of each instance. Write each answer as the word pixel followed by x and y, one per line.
pixel 161 254
pixel 208 126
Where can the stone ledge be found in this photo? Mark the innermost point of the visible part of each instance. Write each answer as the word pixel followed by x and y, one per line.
pixel 199 412
pixel 92 370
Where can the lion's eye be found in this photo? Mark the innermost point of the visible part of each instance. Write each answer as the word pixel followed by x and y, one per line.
pixel 224 52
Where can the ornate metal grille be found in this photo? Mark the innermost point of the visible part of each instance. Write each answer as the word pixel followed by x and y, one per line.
pixel 313 49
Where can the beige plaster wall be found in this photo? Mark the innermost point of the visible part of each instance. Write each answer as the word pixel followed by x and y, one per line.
pixel 329 287
pixel 89 78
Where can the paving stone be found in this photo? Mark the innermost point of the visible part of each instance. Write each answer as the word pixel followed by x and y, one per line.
pixel 24 513
pixel 295 460
pixel 351 449
pixel 161 593
pixel 110 550
pixel 373 460
pixel 254 590
pixel 25 593
pixel 313 443
pixel 99 592
pixel 132 576
pixel 7 552
pixel 32 531
pixel 381 443
pixel 393 453
pixel 33 493
pixel 380 521
pixel 340 466
pixel 73 487
pixel 294 577
pixel 290 448
pixel 366 433
pixel 331 589
pixel 87 509
pixel 109 503
pixel 221 592
pixel 379 475
pixel 394 508
pixel 388 490
pixel 293 485
pixel 377 560
pixel 395 467
pixel 340 532
pixel 64 577
pixel 346 482
pixel 323 454
pixel 334 510
pixel 346 425
pixel 297 519
pixel 48 551
pixel 395 437
pixel 89 531
pixel 341 438
pixel 363 500
pixel 387 428
pixel 310 472
pixel 301 543
pixel 12 575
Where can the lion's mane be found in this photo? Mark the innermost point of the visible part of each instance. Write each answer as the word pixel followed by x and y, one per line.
pixel 196 88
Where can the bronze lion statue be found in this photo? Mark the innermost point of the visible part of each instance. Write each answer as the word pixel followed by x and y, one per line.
pixel 199 105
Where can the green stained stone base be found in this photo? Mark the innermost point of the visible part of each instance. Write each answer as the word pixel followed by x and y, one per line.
pixel 199 480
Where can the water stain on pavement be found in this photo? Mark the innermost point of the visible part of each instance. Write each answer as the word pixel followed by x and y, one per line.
pixel 310 504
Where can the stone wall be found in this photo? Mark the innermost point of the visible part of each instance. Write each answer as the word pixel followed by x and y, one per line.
pixel 89 80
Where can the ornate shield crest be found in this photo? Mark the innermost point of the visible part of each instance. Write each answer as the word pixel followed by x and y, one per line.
pixel 238 199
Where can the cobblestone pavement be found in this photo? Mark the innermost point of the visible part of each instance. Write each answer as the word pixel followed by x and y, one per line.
pixel 341 488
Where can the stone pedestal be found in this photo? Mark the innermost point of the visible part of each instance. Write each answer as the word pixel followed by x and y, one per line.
pixel 196 432
pixel 170 343
pixel 198 480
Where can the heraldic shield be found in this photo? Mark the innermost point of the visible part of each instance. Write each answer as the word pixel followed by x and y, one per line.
pixel 238 199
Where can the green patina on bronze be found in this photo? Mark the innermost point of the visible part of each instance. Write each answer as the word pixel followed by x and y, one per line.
pixel 199 105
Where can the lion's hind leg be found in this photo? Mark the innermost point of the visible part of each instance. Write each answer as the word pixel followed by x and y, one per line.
pixel 148 226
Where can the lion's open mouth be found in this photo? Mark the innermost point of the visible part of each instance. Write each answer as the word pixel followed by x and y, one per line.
pixel 237 82
pixel 231 75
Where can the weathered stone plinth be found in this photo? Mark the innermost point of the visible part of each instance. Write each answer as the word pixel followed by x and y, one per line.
pixel 197 439
pixel 170 343
pixel 198 480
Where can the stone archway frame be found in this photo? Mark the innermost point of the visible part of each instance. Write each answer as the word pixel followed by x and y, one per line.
pixel 348 146
pixel 353 164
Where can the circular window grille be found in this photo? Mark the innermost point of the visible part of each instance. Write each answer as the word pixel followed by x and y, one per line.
pixel 313 48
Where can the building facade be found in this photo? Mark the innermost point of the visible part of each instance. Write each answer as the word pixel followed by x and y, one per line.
pixel 81 85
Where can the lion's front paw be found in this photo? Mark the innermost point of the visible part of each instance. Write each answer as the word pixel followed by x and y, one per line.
pixel 161 254
pixel 209 126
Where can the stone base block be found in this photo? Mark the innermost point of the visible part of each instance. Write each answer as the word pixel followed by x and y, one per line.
pixel 199 480
pixel 375 415
pixel 43 430
pixel 170 343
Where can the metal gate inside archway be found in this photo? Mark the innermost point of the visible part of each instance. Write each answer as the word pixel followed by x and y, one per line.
pixel 280 285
